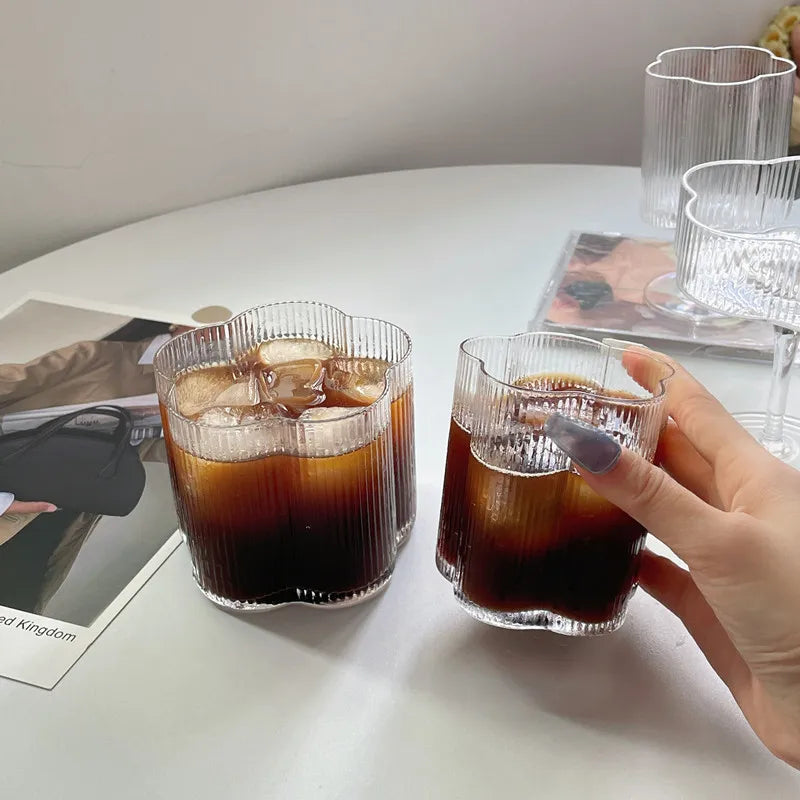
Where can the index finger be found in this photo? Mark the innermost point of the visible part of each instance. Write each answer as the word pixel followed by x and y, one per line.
pixel 705 422
pixel 680 519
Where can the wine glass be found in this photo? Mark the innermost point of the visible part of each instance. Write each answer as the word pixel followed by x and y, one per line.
pixel 705 104
pixel 737 246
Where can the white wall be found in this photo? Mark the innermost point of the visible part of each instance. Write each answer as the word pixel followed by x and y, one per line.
pixel 112 110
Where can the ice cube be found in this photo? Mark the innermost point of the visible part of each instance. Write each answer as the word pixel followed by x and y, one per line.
pixel 230 416
pixel 262 412
pixel 297 384
pixel 337 434
pixel 518 513
pixel 327 412
pixel 200 389
pixel 235 434
pixel 219 417
pixel 356 381
pixel 282 351
pixel 243 392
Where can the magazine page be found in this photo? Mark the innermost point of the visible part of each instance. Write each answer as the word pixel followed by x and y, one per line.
pixel 86 509
pixel 603 284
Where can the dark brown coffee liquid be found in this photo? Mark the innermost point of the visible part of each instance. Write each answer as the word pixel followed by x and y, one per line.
pixel 453 511
pixel 261 529
pixel 546 542
pixel 405 487
pixel 536 541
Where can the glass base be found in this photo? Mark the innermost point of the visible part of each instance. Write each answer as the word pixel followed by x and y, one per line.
pixel 789 449
pixel 305 597
pixel 542 620
pixel 664 297
pixel 405 531
pixel 447 570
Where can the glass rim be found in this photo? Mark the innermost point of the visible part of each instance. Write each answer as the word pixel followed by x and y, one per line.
pixel 694 194
pixel 789 66
pixel 608 344
pixel 354 411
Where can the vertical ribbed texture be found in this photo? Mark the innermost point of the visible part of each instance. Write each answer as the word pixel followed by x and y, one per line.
pixel 491 351
pixel 284 510
pixel 404 464
pixel 451 515
pixel 522 538
pixel 734 250
pixel 707 104
pixel 372 338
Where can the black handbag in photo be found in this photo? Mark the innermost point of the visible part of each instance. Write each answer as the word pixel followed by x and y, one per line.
pixel 78 469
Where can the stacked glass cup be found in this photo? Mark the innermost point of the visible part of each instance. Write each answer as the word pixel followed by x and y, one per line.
pixel 716 133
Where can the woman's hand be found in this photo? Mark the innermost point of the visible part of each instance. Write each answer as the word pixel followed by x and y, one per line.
pixel 730 511
pixel 10 505
pixel 20 507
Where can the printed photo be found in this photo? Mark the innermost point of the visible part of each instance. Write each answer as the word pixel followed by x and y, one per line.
pixel 605 284
pixel 85 497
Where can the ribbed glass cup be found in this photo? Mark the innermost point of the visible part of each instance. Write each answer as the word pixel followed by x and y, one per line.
pixel 737 249
pixel 523 540
pixel 738 252
pixel 706 104
pixel 290 510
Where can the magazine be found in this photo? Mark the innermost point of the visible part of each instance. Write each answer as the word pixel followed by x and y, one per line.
pixel 604 284
pixel 86 508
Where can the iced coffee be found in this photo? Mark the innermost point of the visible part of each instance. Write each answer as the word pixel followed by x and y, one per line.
pixel 290 466
pixel 524 540
pixel 545 540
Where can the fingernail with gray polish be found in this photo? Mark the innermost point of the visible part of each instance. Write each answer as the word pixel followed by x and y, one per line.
pixel 586 446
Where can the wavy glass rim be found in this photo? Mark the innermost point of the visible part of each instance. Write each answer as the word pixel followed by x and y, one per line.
pixel 789 65
pixel 283 420
pixel 761 236
pixel 609 344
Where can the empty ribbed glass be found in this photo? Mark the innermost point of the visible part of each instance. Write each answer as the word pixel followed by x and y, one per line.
pixel 738 252
pixel 524 541
pixel 704 104
pixel 290 435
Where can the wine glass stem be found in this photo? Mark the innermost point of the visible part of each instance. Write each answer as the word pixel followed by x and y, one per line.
pixel 785 349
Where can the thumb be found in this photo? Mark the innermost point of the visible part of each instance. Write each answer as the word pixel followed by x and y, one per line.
pixel 669 511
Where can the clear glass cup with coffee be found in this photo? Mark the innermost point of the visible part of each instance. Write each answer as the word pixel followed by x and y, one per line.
pixel 290 438
pixel 523 539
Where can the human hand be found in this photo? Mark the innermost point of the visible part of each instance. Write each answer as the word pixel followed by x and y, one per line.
pixel 10 505
pixel 731 512
pixel 21 507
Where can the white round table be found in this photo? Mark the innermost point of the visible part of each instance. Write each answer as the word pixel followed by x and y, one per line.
pixel 404 697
